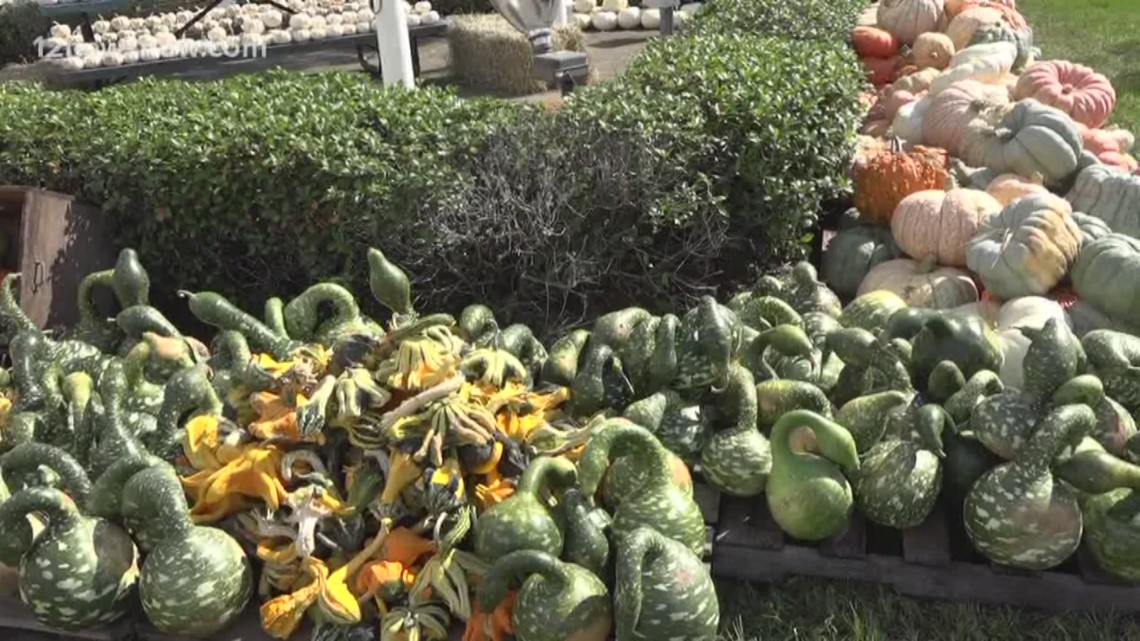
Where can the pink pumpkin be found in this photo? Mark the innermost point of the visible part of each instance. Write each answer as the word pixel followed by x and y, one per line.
pixel 954 108
pixel 1007 188
pixel 1117 159
pixel 941 223
pixel 894 101
pixel 1087 96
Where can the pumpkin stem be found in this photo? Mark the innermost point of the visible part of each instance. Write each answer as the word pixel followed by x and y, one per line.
pixel 928 264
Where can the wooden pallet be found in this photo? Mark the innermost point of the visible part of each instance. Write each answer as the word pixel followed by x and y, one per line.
pixel 933 561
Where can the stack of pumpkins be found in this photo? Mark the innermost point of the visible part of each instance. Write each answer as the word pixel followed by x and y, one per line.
pixel 984 173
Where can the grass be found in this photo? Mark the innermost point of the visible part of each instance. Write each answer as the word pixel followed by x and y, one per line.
pixel 809 610
pixel 1103 34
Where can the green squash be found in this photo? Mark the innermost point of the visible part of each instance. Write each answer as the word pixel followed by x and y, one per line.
pixel 682 426
pixel 1110 195
pixel 26 464
pixel 738 458
pixel 1115 358
pixel 778 397
pixel 899 480
pixel 561 366
pixel 1102 275
pixel 556 600
pixel 94 327
pixel 806 293
pixel 1054 356
pixel 960 406
pixel 707 338
pixel 1114 426
pixel 662 591
pixel 113 440
pixel 872 310
pixel 600 381
pixel 129 280
pixel 586 528
pixel 195 580
pixel 388 283
pixel 523 521
pixel 1112 534
pixel 852 253
pixel 1018 514
pixel 763 312
pixel 968 342
pixel 945 381
pixel 650 496
pixel 787 340
pixel 807 494
pixel 866 417
pixel 79 573
pixel 188 393
pixel 520 342
pixel 869 364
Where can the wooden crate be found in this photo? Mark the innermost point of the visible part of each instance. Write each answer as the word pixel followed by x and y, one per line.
pixel 54 242
pixel 934 560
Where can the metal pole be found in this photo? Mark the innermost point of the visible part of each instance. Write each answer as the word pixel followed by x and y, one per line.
pixel 393 43
pixel 666 21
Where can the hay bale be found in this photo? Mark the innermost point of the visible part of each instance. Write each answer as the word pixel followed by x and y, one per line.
pixel 488 53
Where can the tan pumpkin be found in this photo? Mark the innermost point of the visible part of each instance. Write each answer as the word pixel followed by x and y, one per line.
pixel 922 284
pixel 988 63
pixel 932 50
pixel 955 107
pixel 1007 188
pixel 941 223
pixel 916 82
pixel 886 178
pixel 907 19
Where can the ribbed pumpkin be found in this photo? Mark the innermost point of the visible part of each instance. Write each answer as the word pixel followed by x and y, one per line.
pixel 1110 195
pixel 916 82
pixel 1022 39
pixel 1087 96
pixel 961 29
pixel 941 223
pixel 932 50
pixel 873 42
pixel 922 284
pixel 1106 273
pixel 891 104
pixel 907 19
pixel 954 108
pixel 954 7
pixel 1027 248
pixel 1031 140
pixel 987 63
pixel 888 177
pixel 1007 188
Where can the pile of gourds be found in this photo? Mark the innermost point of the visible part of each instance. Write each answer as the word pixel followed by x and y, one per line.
pixel 985 172
pixel 403 478
pixel 618 14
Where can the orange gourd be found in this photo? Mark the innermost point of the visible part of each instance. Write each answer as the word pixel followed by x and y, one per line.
pixel 886 178
pixel 941 223
pixel 879 71
pixel 872 42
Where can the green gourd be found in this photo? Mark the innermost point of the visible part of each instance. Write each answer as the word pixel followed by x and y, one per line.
pixel 28 459
pixel 556 601
pixel 113 438
pixel 233 364
pixel 519 340
pixel 1111 532
pixel 600 381
pixel 807 493
pixel 662 590
pixel 129 280
pixel 707 338
pixel 945 381
pixel 1004 422
pixel 1115 358
pixel 196 580
pixel 79 572
pixel 478 326
pixel 681 425
pixel 967 460
pixel 188 393
pixel 12 316
pixel 213 309
pixel 274 314
pixel 94 327
pixel 737 459
pixel 139 319
pixel 961 404
pixel 806 293
pixel 523 521
pixel 303 319
pixel 650 497
pixel 965 340
pixel 106 499
pixel 872 310
pixel 870 364
pixel 30 355
pixel 899 480
pixel 778 397
pixel 637 353
pixel 561 365
pixel 785 340
pixel 764 312
pixel 663 363
pixel 1018 514
pixel 388 283
pixel 1054 356
pixel 586 528
pixel 616 328
pixel 866 417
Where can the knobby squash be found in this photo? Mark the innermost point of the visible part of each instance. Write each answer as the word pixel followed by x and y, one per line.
pixel 941 223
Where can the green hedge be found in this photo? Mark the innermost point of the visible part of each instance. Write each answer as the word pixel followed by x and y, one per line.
pixel 20 24
pixel 712 154
pixel 825 20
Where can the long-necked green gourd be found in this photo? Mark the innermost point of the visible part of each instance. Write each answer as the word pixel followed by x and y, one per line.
pixel 1054 356
pixel 899 480
pixel 28 459
pixel 106 498
pixel 80 572
pixel 113 440
pixel 625 474
pixel 1111 533
pixel 586 527
pixel 196 579
pixel 129 280
pixel 600 381
pixel 966 340
pixel 807 293
pixel 967 459
pixel 12 316
pixel 764 312
pixel 1115 358
pixel 1005 422
pixel 866 417
pixel 388 283
pixel 682 425
pixel 561 365
pixel 738 458
pixel 523 521
pixel 961 404
pixel 1018 514
pixel 778 397
pixel 808 495
pixel 213 309
pixel 708 337
pixel 662 590
pixel 556 601
pixel 785 340
pixel 187 394
pixel 94 327
pixel 652 499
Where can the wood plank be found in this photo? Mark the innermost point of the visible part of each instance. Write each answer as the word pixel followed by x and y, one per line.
pixel 929 543
pixel 959 582
pixel 747 522
pixel 851 543
pixel 709 501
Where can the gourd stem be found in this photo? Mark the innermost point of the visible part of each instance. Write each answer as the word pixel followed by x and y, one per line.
pixel 834 441
pixel 514 569
pixel 29 456
pixel 543 471
pixel 107 495
pixel 633 549
pixel 1063 426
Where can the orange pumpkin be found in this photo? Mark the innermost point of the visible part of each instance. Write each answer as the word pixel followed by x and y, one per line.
pixel 872 42
pixel 940 223
pixel 880 71
pixel 1007 188
pixel 884 179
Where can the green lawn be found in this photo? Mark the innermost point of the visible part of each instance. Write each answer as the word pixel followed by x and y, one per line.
pixel 1104 34
pixel 804 610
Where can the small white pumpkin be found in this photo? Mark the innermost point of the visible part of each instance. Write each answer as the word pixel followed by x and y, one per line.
pixel 272 19
pixel 585 6
pixel 336 30
pixel 252 26
pixel 279 37
pixel 921 284
pixel 120 23
pixel 650 18
pixel 414 20
pixel 319 33
pixel 691 7
pixel 582 20
pixel 60 31
pixel 130 57
pixel 101 26
pixel 301 35
pixel 431 17
pixel 422 7
pixel 349 28
pixel 300 21
pixel 629 18
pixel 165 39
pixel 334 19
pixel 127 44
pixel 217 34
pixel 71 63
pixel 92 60
pixel 138 24
pixel 604 20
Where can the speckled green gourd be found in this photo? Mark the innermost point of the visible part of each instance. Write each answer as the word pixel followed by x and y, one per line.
pixel 187 394
pixel 1018 514
pixel 960 406
pixel 905 323
pixel 966 340
pixel 764 312
pixel 945 381
pixel 273 313
pixel 1053 357
pixel 662 590
pixel 600 381
pixel 651 499
pixel 1115 358
pixel 872 310
pixel 196 580
pixel 1004 422
pixel 561 365
pixel 94 327
pixel 788 341
pixel 12 316
pixel 106 497
pixel 388 283
pixel 30 355
pixel 139 319
pixel 707 338
pixel 807 494
pixel 523 521
pixel 519 340
pixel 478 326
pixel 232 363
pixel 556 601
pixel 80 572
pixel 616 328
pixel 738 458
pixel 661 368
pixel 585 530
pixel 778 397
pixel 807 293
pixel 129 280
pixel 899 480
pixel 213 309
pixel 869 364
pixel 1114 426
pixel 866 417
pixel 303 321
pixel 25 461
pixel 637 352
pixel 1112 532
pixel 967 460
pixel 681 425
pixel 114 440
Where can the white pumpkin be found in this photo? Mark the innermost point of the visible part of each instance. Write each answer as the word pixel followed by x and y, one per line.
pixel 985 63
pixel 336 30
pixel 431 17
pixel 300 21
pixel 120 23
pixel 279 37
pixel 691 7
pixel 301 35
pixel 364 26
pixel 413 19
pixel 908 19
pixel 217 34
pixel 422 7
pixel 127 44
pixel 585 6
pixel 604 21
pixel 335 18
pixel 583 20
pixel 614 5
pixel 629 18
pixel 71 63
pixel 650 18
pixel 349 28
pixel 112 59
pixel 252 26
pixel 907 123
pixel 272 19
pixel 130 57
pixel 319 33
pixel 921 284
pixel 1027 311
pixel 60 31
pixel 165 39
